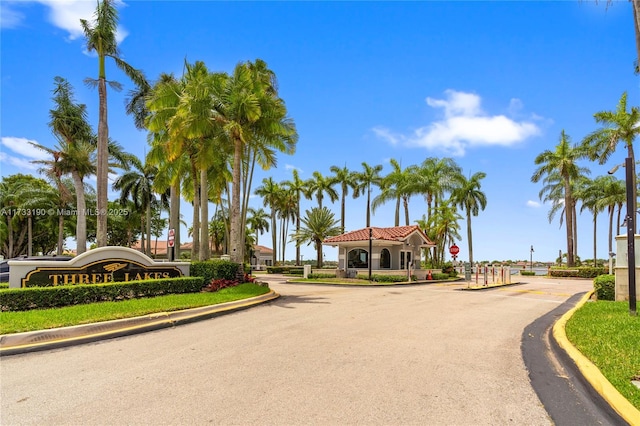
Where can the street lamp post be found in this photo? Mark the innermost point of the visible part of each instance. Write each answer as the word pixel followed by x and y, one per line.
pixel 531 259
pixel 370 249
pixel 631 235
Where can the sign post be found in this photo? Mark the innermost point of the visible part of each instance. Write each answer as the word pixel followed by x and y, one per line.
pixel 171 243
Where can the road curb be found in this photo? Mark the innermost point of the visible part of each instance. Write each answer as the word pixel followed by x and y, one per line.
pixel 590 372
pixel 19 343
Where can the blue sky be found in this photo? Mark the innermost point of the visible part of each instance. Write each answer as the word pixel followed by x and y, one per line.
pixel 490 84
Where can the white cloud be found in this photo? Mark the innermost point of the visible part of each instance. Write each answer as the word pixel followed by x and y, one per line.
pixel 464 125
pixel 64 14
pixel 533 204
pixel 292 167
pixel 9 17
pixel 22 147
pixel 386 134
pixel 20 163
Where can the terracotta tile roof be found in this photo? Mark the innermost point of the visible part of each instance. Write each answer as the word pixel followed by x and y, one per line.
pixel 394 233
pixel 263 250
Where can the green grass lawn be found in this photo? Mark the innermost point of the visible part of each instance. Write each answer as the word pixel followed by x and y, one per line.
pixel 606 334
pixel 41 319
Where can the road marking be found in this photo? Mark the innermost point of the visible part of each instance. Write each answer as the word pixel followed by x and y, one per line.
pixel 537 292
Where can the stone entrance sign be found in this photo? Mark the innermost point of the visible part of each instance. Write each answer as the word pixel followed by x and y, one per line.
pixel 101 265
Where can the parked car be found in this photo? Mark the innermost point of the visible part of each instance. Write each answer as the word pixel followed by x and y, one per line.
pixel 4 265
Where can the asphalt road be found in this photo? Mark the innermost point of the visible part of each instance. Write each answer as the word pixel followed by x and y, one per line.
pixel 428 355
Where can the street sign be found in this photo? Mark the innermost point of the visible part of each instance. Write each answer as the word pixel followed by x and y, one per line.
pixel 454 250
pixel 172 237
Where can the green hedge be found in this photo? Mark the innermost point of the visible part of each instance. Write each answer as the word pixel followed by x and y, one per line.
pixel 319 276
pixel 23 299
pixel 581 272
pixel 605 287
pixel 214 269
pixel 384 278
pixel 527 273
pixel 291 270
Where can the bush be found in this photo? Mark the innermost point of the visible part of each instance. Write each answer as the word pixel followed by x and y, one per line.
pixel 23 299
pixel 214 269
pixel 319 276
pixel 384 278
pixel 605 287
pixel 581 272
pixel 220 283
pixel 527 273
pixel 291 270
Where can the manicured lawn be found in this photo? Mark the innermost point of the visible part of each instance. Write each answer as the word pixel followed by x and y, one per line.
pixel 40 319
pixel 606 334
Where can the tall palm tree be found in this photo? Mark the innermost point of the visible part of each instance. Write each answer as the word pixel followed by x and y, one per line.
pixel 563 160
pixel 270 192
pixel 613 196
pixel 619 126
pixel 258 221
pixel 590 193
pixel 320 185
pixel 300 188
pixel 137 185
pixel 397 186
pixel 368 177
pixel 317 225
pixel 101 38
pixel 471 199
pixel 250 112
pixel 433 178
pixel 346 179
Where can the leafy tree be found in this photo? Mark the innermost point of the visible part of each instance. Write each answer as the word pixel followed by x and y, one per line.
pixel 397 186
pixel 563 160
pixel 258 221
pixel 101 38
pixel 346 179
pixel 300 188
pixel 469 196
pixel 270 192
pixel 320 185
pixel 317 225
pixel 368 177
pixel 433 179
pixel 618 126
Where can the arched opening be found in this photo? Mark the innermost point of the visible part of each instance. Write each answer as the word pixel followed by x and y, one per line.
pixel 385 259
pixel 358 258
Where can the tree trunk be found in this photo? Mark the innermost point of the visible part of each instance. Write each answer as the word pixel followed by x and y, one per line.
pixel 81 218
pixel 10 235
pixel 29 234
pixel 174 217
pixel 204 216
pixel 148 230
pixel 236 245
pixel 60 234
pixel 595 230
pixel 469 237
pixel 102 172
pixel 195 248
pixel 405 201
pixel 397 213
pixel 569 223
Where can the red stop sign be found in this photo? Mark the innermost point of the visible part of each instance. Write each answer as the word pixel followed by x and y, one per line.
pixel 454 249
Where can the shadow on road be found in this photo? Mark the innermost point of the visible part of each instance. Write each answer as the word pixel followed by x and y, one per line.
pixel 289 302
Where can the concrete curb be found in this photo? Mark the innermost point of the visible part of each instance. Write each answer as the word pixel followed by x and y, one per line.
pixel 18 343
pixel 590 372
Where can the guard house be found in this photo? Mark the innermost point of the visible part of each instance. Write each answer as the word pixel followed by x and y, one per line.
pixel 394 250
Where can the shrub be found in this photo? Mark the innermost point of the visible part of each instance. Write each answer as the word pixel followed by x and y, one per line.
pixel 581 272
pixel 214 269
pixel 22 299
pixel 439 276
pixel 605 287
pixel 527 273
pixel 384 278
pixel 291 270
pixel 319 276
pixel 220 283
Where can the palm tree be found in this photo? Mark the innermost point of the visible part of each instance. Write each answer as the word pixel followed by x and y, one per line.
pixel 442 228
pixel 101 38
pixel 250 113
pixel 564 162
pixel 346 179
pixel 366 178
pixel 590 193
pixel 269 191
pixel 619 126
pixel 317 225
pixel 472 200
pixel 396 186
pixel 614 195
pixel 137 185
pixel 320 185
pixel 258 221
pixel 433 178
pixel 300 188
